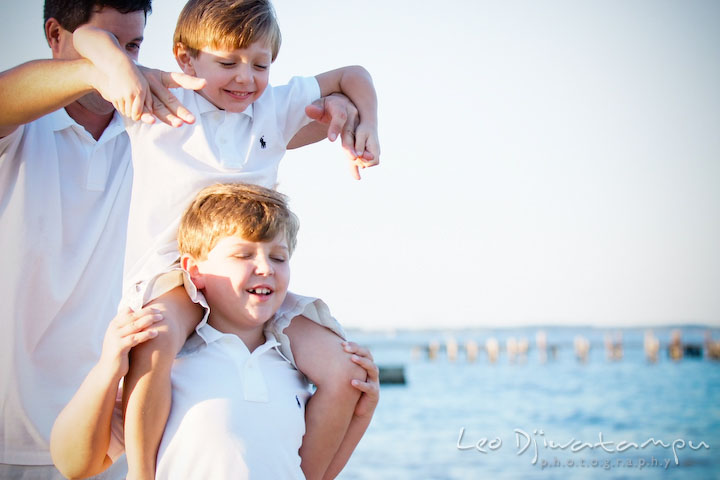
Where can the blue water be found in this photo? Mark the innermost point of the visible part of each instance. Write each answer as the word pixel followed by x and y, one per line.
pixel 416 428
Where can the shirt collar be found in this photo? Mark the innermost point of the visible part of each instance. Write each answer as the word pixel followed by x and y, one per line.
pixel 61 120
pixel 210 335
pixel 204 106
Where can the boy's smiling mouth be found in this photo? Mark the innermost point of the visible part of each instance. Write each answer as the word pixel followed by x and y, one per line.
pixel 259 291
pixel 240 95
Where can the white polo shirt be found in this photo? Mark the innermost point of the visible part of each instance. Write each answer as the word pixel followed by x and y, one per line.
pixel 64 199
pixel 235 414
pixel 173 164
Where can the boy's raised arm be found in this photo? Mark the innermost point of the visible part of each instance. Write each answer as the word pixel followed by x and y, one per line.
pixel 81 434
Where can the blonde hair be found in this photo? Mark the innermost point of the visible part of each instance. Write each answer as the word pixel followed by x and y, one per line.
pixel 226 24
pixel 252 212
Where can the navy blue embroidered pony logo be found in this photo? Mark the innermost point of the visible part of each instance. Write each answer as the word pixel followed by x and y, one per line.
pixel 263 145
pixel 298 402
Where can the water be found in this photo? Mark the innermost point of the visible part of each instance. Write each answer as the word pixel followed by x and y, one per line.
pixel 416 429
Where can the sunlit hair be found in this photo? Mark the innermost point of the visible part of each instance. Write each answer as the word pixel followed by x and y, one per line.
pixel 70 14
pixel 226 25
pixel 255 213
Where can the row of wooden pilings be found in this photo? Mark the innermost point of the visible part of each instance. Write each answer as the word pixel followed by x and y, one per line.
pixel 517 349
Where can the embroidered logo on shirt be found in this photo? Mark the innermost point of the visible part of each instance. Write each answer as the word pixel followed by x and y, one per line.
pixel 298 402
pixel 262 142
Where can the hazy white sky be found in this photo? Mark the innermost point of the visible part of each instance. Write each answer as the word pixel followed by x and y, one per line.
pixel 552 162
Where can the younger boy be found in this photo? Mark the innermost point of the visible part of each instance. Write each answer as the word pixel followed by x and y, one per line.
pixel 242 128
pixel 230 379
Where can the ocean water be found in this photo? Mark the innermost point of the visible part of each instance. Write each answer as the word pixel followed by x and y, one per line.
pixel 561 418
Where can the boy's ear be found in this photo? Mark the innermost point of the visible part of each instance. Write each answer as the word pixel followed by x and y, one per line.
pixel 189 264
pixel 184 59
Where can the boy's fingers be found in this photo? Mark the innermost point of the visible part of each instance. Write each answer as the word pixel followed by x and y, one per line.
pixel 338 118
pixel 362 386
pixel 129 317
pixel 354 170
pixel 368 365
pixel 140 324
pixel 352 347
pixel 348 142
pixel 139 338
pixel 315 110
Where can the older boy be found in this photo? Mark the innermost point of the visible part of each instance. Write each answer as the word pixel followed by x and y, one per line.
pixel 65 182
pixel 242 129
pixel 230 378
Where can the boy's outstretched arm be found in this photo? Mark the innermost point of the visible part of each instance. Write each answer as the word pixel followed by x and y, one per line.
pixel 356 83
pixel 370 388
pixel 81 434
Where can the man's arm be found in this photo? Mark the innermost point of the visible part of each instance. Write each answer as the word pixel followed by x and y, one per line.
pixel 135 91
pixel 81 434
pixel 39 87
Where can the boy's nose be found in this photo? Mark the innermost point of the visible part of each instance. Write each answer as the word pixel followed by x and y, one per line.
pixel 243 74
pixel 263 266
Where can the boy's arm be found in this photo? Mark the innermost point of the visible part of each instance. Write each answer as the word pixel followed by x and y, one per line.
pixel 356 83
pixel 364 409
pixel 333 116
pixel 81 434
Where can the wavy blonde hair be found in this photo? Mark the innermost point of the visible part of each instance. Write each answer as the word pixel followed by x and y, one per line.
pixel 252 212
pixel 227 25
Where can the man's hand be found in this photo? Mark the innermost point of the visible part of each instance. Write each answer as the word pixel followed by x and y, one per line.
pixel 163 104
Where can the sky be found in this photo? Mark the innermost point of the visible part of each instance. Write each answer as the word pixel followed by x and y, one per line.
pixel 547 162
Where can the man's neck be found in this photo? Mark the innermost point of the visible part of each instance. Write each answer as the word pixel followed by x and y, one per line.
pixel 94 123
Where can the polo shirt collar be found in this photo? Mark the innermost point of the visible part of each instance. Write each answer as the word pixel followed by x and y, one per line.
pixel 210 335
pixel 204 106
pixel 61 120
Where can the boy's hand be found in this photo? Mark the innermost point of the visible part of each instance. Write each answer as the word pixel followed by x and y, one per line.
pixel 125 331
pixel 366 149
pixel 342 118
pixel 164 105
pixel 369 387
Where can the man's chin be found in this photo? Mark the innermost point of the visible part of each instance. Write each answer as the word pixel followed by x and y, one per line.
pixel 96 104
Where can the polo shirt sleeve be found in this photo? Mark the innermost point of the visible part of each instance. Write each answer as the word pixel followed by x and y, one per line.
pixel 290 101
